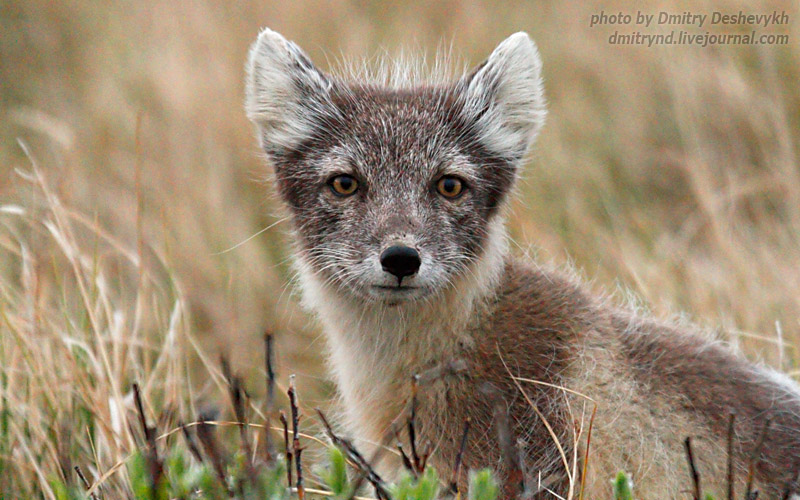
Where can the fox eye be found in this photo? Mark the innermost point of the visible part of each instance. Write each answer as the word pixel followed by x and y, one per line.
pixel 450 187
pixel 343 185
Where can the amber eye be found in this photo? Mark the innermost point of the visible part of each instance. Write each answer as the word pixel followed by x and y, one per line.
pixel 343 185
pixel 450 187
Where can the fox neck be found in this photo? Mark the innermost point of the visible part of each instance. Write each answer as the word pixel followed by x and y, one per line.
pixel 374 348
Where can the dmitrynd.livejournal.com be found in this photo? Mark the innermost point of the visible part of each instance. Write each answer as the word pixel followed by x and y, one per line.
pixel 702 39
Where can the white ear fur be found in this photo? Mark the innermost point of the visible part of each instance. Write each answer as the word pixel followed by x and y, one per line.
pixel 285 93
pixel 505 97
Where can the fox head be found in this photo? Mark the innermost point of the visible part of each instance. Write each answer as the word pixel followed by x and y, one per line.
pixel 394 189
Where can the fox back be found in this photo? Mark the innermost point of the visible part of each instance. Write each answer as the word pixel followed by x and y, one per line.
pixel 397 189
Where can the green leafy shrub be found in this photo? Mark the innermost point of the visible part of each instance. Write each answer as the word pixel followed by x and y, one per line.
pixel 184 478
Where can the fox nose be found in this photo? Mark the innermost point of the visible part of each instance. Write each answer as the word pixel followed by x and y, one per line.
pixel 400 261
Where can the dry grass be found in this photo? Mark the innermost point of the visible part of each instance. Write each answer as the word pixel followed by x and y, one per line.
pixel 81 320
pixel 672 172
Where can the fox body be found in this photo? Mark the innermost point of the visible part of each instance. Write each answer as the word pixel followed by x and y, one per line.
pixel 397 189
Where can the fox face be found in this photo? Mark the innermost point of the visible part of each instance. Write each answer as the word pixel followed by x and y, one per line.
pixel 393 189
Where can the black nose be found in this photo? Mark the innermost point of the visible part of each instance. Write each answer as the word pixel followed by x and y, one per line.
pixel 400 261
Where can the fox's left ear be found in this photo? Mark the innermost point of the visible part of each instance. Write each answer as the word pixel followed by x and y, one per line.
pixel 504 97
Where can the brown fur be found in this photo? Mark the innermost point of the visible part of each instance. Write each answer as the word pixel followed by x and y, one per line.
pixel 544 327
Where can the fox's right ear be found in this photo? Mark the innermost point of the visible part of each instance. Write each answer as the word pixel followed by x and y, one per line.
pixel 285 92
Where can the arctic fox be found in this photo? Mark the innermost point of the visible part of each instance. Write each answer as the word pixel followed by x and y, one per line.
pixel 397 189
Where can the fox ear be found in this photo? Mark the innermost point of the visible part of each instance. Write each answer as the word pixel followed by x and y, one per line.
pixel 504 97
pixel 285 93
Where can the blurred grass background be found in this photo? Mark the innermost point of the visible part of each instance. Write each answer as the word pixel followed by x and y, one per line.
pixel 671 172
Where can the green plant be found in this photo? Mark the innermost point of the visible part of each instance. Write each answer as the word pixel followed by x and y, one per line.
pixel 426 487
pixel 184 478
pixel 335 475
pixel 623 487
pixel 482 485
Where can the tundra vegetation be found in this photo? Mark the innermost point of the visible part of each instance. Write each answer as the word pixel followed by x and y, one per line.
pixel 670 174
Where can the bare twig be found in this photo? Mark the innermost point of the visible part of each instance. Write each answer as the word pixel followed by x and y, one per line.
pixel 696 491
pixel 151 452
pixel 586 453
pixel 190 442
pixel 755 458
pixel 239 410
pixel 86 483
pixel 149 436
pixel 287 448
pixel 205 433
pixel 269 405
pixel 292 392
pixel 354 456
pixel 83 479
pixel 412 424
pixel 426 453
pixel 406 461
pixel 459 457
pixel 375 458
